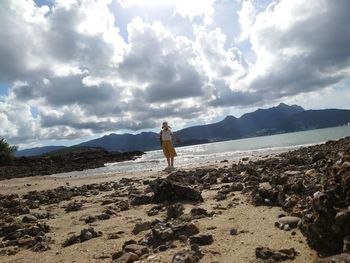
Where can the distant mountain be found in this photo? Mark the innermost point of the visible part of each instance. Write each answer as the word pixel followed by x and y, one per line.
pixel 38 150
pixel 280 119
pixel 125 142
pixel 257 123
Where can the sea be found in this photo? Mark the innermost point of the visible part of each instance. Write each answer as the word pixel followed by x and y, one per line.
pixel 219 151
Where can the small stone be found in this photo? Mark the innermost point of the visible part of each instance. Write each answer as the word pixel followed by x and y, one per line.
pixel 136 249
pixel 113 236
pixel 275 255
pixel 233 232
pixel 292 221
pixel 202 239
pixel 126 257
pixel 185 256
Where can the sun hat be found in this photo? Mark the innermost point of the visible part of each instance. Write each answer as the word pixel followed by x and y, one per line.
pixel 165 125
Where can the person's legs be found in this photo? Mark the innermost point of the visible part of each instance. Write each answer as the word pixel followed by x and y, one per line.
pixel 168 161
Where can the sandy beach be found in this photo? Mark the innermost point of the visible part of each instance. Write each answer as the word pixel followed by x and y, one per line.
pixel 255 225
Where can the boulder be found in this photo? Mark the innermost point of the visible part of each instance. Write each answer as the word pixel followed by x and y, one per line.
pixel 168 191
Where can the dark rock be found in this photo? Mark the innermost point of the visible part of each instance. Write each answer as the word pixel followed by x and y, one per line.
pixel 168 191
pixel 185 256
pixel 104 216
pixel 141 199
pixel 220 197
pixel 233 232
pixel 142 226
pixel 90 219
pixel 265 253
pixel 29 219
pixel 198 212
pixel 126 257
pixel 201 239
pixel 73 206
pixel 163 232
pixel 85 234
pixel 154 210
pixel 174 211
pixel 342 258
pixel 136 249
pixel 236 187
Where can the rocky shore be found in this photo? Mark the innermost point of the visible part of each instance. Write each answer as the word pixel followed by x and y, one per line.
pixel 293 206
pixel 76 159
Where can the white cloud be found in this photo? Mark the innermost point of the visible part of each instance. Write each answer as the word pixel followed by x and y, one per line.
pixel 196 8
pixel 246 19
pixel 300 47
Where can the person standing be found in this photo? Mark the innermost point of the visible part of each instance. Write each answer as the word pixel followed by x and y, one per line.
pixel 166 137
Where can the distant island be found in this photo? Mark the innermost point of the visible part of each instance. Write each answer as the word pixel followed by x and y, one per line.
pixel 276 120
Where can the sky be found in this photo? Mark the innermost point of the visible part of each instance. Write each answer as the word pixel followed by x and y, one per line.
pixel 73 70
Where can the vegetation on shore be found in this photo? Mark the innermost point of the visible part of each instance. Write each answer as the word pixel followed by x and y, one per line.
pixel 6 150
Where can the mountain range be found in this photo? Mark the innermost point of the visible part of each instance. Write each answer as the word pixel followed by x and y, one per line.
pixel 280 119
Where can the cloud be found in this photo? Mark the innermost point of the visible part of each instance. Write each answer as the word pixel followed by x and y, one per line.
pixel 300 47
pixel 246 18
pixel 71 74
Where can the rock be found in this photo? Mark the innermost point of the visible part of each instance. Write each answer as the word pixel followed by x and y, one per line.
pixel 142 226
pixel 278 180
pixel 136 249
pixel 85 234
pixel 126 257
pixel 185 256
pixel 341 258
pixel 220 197
pixel 174 211
pixel 291 221
pixel 342 217
pixel 73 206
pixel 113 235
pixel 166 232
pixel 265 253
pixel 168 191
pixel 311 172
pixel 26 240
pixel 318 156
pixel 233 231
pixel 141 199
pixel 104 216
pixel 296 160
pixel 198 212
pixel 154 210
pixel 29 219
pixel 90 219
pixel 123 205
pixel 236 187
pixel 202 239
pixel 71 240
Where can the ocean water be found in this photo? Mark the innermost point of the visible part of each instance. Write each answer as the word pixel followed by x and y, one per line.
pixel 219 151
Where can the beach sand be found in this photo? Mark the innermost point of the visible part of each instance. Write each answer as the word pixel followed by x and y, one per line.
pixel 255 224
